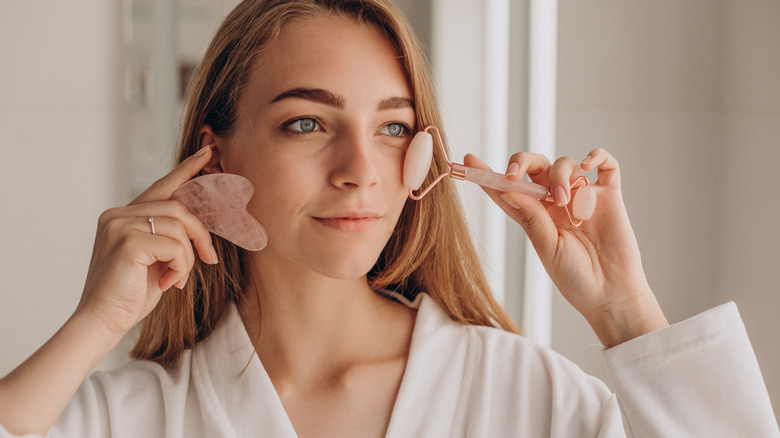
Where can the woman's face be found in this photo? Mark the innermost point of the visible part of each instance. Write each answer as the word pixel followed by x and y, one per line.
pixel 323 126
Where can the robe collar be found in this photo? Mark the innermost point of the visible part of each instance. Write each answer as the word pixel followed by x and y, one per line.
pixel 228 369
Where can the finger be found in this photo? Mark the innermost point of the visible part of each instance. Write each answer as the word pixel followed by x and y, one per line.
pixel 174 255
pixel 523 209
pixel 174 273
pixel 194 229
pixel 172 276
pixel 164 187
pixel 134 237
pixel 169 228
pixel 168 279
pixel 147 249
pixel 536 166
pixel 562 172
pixel 509 207
pixel 608 167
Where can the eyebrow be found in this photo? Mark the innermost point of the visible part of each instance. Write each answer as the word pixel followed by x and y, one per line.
pixel 334 100
pixel 313 94
pixel 395 103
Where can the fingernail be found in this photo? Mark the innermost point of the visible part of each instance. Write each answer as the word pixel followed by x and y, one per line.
pixel 586 160
pixel 509 201
pixel 213 254
pixel 560 196
pixel 202 151
pixel 512 169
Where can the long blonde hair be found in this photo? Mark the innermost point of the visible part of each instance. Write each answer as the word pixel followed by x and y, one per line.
pixel 430 250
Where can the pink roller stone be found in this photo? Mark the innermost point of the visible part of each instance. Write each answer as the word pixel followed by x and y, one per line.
pixel 418 158
pixel 219 201
pixel 583 205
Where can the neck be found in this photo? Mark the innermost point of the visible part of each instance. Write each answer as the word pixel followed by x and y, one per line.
pixel 307 327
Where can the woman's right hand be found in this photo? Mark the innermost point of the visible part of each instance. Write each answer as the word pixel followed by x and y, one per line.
pixel 130 266
pixel 130 269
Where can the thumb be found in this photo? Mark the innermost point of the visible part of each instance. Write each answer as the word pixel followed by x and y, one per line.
pixel 526 210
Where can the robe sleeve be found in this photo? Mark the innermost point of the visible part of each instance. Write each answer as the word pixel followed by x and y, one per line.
pixel 5 434
pixel 84 416
pixel 696 378
pixel 110 404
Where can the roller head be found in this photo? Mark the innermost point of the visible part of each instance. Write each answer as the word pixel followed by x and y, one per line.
pixel 418 160
pixel 583 205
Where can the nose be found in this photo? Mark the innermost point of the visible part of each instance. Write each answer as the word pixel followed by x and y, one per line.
pixel 354 164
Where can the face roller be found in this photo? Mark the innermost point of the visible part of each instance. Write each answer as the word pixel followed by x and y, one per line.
pixel 418 162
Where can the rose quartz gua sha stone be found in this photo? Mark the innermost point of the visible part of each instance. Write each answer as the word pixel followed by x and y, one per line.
pixel 219 200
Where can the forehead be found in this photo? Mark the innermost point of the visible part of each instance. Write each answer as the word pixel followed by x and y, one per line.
pixel 334 53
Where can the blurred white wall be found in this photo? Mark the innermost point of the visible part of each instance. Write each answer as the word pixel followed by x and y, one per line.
pixel 686 96
pixel 60 119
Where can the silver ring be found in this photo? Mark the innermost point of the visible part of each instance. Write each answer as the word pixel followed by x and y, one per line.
pixel 151 223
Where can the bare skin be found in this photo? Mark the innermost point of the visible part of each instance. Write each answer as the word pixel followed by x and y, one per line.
pixel 335 380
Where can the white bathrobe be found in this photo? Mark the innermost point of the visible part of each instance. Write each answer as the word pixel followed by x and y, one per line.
pixel 698 378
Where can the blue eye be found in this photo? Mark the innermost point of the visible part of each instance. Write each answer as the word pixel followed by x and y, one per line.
pixel 305 124
pixel 395 129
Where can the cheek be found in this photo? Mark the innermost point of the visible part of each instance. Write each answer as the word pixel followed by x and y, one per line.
pixel 280 189
pixel 276 184
pixel 395 193
pixel 391 165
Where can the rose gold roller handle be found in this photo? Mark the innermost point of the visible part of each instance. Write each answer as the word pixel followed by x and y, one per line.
pixel 583 202
pixel 497 181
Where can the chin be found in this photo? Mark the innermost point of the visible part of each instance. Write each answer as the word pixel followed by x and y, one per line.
pixel 345 267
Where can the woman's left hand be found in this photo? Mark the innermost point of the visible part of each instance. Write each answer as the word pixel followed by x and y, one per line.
pixel 596 266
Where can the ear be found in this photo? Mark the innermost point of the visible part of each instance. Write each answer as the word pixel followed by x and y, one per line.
pixel 206 137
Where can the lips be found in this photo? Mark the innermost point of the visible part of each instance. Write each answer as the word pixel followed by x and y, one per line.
pixel 349 221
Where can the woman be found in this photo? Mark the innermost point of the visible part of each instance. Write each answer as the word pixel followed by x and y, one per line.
pixel 367 314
